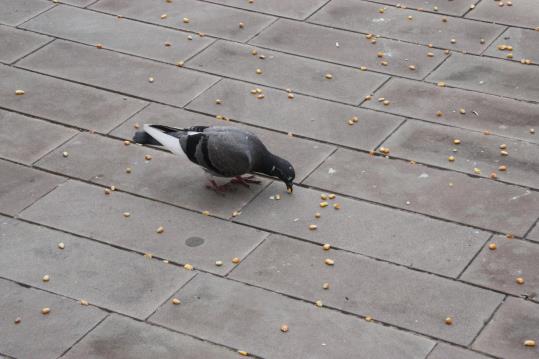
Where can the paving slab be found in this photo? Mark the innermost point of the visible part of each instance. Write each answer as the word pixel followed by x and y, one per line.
pixel 166 177
pixel 305 116
pixel 445 351
pixel 468 200
pixel 187 238
pixel 118 72
pixel 16 43
pixel 118 337
pixel 105 276
pixel 49 335
pixel 128 36
pixel 16 12
pixel 64 102
pixel 433 144
pixel 524 43
pixel 493 76
pixel 249 318
pixel 361 227
pixel 353 49
pixel 516 321
pixel 25 140
pixel 451 7
pixel 501 116
pixel 20 186
pixel 305 155
pixel 424 28
pixel 215 20
pixel 365 286
pixel 522 13
pixel 498 269
pixel 298 9
pixel 284 71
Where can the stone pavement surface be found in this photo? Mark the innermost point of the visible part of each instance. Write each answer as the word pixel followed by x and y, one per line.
pixel 433 230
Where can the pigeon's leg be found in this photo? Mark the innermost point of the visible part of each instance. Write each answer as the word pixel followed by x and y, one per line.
pixel 245 180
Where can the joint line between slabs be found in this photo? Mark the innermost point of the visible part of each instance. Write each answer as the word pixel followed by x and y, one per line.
pixel 391 133
pixel 535 225
pixel 481 248
pixel 315 11
pixel 493 41
pixel 53 39
pixel 36 15
pixel 247 255
pixel 470 10
pixel 169 298
pixel 332 152
pixel 148 104
pixel 84 335
pixel 436 67
pixel 203 92
pixel 260 31
pixel 489 319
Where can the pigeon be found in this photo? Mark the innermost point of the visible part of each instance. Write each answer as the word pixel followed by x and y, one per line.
pixel 222 151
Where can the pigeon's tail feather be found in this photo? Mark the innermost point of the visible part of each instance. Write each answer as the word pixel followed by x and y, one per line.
pixel 160 135
pixel 144 139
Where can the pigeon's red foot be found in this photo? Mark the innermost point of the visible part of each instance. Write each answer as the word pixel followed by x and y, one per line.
pixel 245 180
pixel 218 188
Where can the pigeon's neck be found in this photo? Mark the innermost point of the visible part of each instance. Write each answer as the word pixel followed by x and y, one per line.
pixel 267 163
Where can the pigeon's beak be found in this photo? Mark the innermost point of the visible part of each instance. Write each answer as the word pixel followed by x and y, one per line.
pixel 289 188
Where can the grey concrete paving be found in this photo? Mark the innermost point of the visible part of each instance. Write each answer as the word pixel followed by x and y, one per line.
pixel 366 98
pixel 119 337
pixel 394 23
pixel 287 72
pixel 187 238
pixel 523 43
pixel 444 351
pixel 349 48
pixel 501 116
pixel 444 194
pixel 100 111
pixel 122 35
pixel 434 144
pixel 17 12
pixel 47 336
pixel 306 155
pixel 24 139
pixel 104 276
pixel 126 74
pixel 305 116
pixel 500 268
pixel 453 7
pixel 105 161
pixel 523 13
pixel 211 309
pixel 298 9
pixel 399 237
pixel 17 43
pixel 21 186
pixel 367 287
pixel 515 322
pixel 211 19
pixel 491 76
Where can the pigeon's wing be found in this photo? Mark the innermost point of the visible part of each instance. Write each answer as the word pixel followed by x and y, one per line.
pixel 228 153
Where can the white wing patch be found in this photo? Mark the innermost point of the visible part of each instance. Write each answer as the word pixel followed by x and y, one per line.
pixel 169 142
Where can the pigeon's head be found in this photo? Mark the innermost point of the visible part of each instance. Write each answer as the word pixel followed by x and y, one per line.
pixel 283 170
